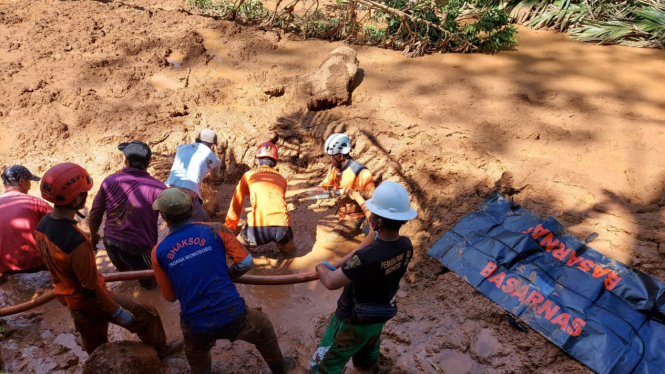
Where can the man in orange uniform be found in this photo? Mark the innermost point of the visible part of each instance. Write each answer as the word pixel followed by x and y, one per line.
pixel 269 220
pixel 68 254
pixel 347 174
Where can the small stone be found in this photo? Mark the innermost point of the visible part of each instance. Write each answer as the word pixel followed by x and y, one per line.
pixel 275 91
pixel 68 48
pixel 123 357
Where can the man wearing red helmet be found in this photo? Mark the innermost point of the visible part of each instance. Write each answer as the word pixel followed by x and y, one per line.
pixel 269 220
pixel 68 254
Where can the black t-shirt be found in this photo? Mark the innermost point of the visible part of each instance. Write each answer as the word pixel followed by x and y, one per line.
pixel 375 272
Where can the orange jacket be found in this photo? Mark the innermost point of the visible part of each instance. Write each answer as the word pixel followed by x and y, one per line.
pixel 266 189
pixel 354 176
pixel 68 254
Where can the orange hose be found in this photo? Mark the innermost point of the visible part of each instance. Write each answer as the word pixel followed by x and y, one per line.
pixel 147 274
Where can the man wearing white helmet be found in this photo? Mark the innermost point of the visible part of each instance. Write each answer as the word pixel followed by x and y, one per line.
pixel 347 174
pixel 370 276
pixel 192 163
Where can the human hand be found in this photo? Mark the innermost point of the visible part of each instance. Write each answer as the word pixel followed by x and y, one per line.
pixel 123 317
pixel 94 239
pixel 355 195
pixel 218 179
pixel 326 264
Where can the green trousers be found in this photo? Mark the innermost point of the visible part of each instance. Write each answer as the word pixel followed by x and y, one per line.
pixel 343 341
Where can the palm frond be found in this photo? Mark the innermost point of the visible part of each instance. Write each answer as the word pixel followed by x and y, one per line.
pixel 560 19
pixel 651 19
pixel 609 32
pixel 638 23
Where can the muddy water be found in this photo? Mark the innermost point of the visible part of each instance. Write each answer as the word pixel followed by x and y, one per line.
pixel 162 82
pixel 461 120
pixel 212 42
pixel 176 59
pixel 69 341
pixel 216 46
pixel 287 306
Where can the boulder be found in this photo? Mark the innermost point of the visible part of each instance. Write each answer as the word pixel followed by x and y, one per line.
pixel 330 85
pixel 123 357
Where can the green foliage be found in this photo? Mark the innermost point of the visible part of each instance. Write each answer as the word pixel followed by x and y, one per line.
pixel 374 35
pixel 415 26
pixel 249 9
pixel 212 7
pixel 638 23
pixel 253 9
pixel 498 37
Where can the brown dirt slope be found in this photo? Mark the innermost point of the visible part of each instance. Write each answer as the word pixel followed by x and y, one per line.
pixel 572 130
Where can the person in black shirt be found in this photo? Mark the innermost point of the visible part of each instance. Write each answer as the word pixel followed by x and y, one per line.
pixel 370 276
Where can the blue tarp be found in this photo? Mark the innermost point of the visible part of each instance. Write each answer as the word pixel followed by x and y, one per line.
pixel 605 314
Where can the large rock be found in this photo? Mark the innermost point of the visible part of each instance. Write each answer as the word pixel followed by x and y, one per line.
pixel 123 357
pixel 330 85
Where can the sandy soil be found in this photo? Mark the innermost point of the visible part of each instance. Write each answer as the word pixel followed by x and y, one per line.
pixel 571 130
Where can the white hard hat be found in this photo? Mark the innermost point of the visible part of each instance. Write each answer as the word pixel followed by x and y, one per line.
pixel 338 143
pixel 390 200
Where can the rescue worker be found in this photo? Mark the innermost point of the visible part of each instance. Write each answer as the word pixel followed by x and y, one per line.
pixel 20 214
pixel 68 254
pixel 269 220
pixel 346 174
pixel 192 163
pixel 370 276
pixel 130 231
pixel 190 266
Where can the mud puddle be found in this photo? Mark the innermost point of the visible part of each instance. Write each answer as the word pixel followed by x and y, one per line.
pixel 448 126
pixel 162 82
pixel 19 288
pixel 287 306
pixel 176 59
pixel 218 49
pixel 212 42
pixel 69 341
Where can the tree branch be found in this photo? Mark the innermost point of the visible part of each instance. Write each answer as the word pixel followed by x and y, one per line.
pixel 402 16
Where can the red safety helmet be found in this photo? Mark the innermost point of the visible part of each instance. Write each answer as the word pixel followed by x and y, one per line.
pixel 267 149
pixel 63 182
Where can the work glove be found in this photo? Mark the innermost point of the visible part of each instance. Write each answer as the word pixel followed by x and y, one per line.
pixel 123 317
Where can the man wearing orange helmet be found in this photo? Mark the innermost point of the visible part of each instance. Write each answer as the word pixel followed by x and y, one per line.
pixel 269 220
pixel 68 254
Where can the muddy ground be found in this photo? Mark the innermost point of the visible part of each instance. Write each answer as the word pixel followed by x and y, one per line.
pixel 572 130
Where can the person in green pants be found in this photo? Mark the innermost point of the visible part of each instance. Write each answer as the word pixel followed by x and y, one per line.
pixel 370 276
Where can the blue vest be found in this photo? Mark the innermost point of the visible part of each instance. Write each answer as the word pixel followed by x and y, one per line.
pixel 194 258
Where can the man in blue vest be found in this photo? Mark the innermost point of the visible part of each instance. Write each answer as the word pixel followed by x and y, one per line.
pixel 190 266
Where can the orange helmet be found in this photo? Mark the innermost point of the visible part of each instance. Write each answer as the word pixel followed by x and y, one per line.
pixel 63 182
pixel 267 149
